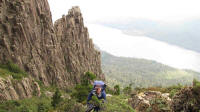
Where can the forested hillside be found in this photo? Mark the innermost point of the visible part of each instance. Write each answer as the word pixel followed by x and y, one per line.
pixel 143 73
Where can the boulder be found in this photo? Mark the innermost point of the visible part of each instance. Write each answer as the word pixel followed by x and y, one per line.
pixel 148 101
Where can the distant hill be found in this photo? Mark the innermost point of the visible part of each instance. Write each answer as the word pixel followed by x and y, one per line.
pixel 143 73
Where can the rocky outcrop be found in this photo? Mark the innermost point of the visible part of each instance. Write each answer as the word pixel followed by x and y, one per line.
pixel 57 54
pixel 150 101
pixel 18 89
pixel 77 48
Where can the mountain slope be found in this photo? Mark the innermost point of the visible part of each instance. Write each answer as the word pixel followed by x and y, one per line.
pixel 143 73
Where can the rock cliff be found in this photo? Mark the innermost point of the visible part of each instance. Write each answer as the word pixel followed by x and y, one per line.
pixel 57 54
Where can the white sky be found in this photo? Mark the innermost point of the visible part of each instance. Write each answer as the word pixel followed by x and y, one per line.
pixel 162 10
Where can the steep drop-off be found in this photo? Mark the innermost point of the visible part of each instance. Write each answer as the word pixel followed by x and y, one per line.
pixel 57 54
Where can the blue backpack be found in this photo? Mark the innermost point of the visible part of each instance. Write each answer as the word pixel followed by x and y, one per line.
pixel 103 85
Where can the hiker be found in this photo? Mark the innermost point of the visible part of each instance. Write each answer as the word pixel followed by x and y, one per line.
pixel 98 91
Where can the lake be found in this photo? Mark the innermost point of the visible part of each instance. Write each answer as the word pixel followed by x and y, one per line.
pixel 117 43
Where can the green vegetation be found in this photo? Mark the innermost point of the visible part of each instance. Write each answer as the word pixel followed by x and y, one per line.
pixel 59 102
pixel 127 90
pixel 158 105
pixel 27 105
pixel 116 90
pixel 114 103
pixel 11 69
pixel 143 73
pixel 82 90
pixel 70 105
pixel 56 99
pixel 118 103
pixel 196 86
pixel 172 90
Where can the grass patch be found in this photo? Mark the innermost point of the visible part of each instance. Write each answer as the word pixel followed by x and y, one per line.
pixel 12 69
pixel 34 104
pixel 118 104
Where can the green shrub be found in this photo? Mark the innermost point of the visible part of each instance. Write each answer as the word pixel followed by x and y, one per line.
pixel 128 89
pixel 56 99
pixel 12 69
pixel 158 105
pixel 196 86
pixel 82 90
pixel 109 90
pixel 117 90
pixel 9 105
pixel 87 78
pixel 70 105
pixel 23 109
pixel 172 93
pixel 117 103
pixel 33 104
pixel 196 91
pixel 42 107
pixel 95 101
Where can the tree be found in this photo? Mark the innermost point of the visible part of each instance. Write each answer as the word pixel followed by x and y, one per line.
pixel 116 90
pixel 82 90
pixel 56 99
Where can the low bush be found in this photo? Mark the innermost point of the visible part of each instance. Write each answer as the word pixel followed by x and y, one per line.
pixel 128 89
pixel 12 69
pixel 116 90
pixel 82 90
pixel 34 104
pixel 70 105
pixel 196 86
pixel 56 99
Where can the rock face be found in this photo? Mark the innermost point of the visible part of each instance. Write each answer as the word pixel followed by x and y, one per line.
pixel 15 89
pixel 150 101
pixel 57 54
pixel 77 48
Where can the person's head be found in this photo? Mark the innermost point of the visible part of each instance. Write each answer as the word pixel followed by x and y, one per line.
pixel 98 89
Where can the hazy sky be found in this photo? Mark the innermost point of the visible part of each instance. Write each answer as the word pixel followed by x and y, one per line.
pixel 162 10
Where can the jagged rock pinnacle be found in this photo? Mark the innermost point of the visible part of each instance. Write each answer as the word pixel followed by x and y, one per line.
pixel 75 10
